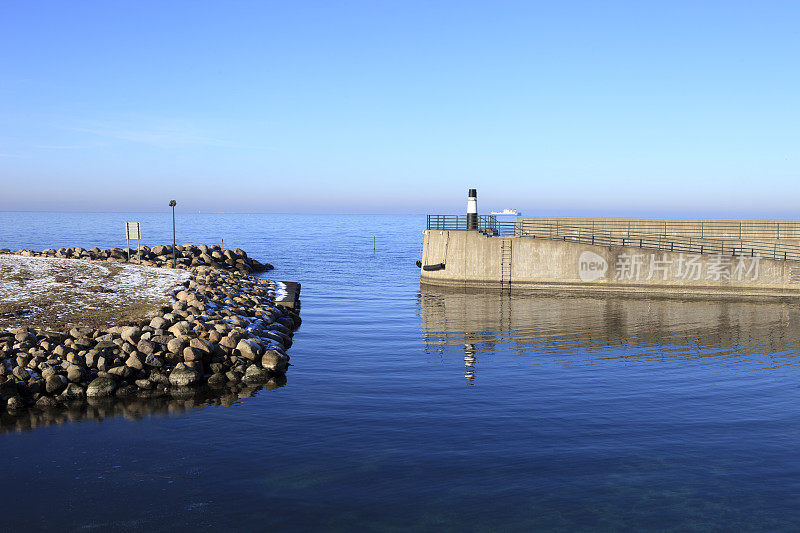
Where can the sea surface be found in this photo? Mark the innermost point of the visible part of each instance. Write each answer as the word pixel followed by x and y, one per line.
pixel 424 409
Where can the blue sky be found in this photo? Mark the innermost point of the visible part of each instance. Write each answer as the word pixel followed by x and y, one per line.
pixel 555 108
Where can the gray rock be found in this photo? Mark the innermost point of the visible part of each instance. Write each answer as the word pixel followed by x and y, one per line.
pixel 201 345
pixel 249 349
pixel 177 345
pixel 45 402
pixel 229 341
pixel 134 361
pixel 146 347
pixel 73 392
pixel 106 345
pixel 159 323
pixel 122 372
pixel 77 333
pixel 125 390
pixel 274 361
pixel 153 360
pixel 192 354
pixel 181 328
pixel 75 373
pixel 15 403
pixel 216 380
pixel 101 388
pixel 20 373
pixel 144 384
pixel 131 334
pixel 55 384
pixel 183 376
pixel 256 374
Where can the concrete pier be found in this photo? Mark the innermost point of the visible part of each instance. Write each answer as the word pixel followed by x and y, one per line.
pixel 652 265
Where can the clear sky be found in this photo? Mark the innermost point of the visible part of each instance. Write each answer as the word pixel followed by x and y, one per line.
pixel 573 108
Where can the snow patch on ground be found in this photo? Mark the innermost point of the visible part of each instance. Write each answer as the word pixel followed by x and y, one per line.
pixel 61 288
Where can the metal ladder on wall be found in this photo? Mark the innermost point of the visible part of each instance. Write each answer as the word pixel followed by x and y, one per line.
pixel 505 263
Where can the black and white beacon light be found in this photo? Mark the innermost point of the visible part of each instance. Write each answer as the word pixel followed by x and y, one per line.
pixel 472 209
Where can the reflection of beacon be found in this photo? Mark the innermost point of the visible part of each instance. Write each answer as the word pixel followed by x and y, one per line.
pixel 469 362
pixel 472 209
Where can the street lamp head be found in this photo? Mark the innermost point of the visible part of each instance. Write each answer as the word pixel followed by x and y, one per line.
pixel 173 203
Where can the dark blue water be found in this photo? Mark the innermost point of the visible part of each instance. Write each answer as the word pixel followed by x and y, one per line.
pixel 425 409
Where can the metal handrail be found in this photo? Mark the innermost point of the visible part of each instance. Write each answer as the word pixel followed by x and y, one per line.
pixel 488 224
pixel 726 229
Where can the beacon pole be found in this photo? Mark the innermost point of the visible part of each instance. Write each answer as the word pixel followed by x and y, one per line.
pixel 472 210
pixel 172 204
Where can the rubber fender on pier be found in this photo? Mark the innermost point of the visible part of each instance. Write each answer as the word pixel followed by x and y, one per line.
pixel 438 266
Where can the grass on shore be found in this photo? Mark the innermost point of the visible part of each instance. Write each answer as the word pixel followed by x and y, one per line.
pixel 58 294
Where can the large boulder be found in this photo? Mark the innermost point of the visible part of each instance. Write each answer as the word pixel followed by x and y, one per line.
pixel 181 328
pixel 274 361
pixel 177 344
pixel 73 392
pixel 256 374
pixel 249 349
pixel 183 376
pixel 75 373
pixel 131 334
pixel 146 347
pixel 101 388
pixel 159 323
pixel 55 383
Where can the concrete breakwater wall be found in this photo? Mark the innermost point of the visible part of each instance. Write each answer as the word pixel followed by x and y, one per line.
pixel 472 259
pixel 223 329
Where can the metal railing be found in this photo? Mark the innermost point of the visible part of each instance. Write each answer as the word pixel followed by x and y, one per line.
pixel 768 250
pixel 558 230
pixel 715 229
pixel 488 224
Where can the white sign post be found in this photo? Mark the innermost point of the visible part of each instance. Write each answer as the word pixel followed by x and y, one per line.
pixel 132 231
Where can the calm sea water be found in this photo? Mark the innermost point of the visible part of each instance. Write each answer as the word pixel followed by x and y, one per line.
pixel 425 409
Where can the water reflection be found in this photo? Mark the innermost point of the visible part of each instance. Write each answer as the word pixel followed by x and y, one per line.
pixel 592 330
pixel 178 402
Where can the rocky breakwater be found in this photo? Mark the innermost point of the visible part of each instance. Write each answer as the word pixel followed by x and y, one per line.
pixel 186 256
pixel 223 330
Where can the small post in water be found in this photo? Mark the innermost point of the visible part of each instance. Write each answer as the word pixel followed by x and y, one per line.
pixel 472 209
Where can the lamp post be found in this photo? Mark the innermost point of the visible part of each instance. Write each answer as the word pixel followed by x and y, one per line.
pixel 172 204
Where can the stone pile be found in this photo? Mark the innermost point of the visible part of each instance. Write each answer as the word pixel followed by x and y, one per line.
pixel 186 256
pixel 223 329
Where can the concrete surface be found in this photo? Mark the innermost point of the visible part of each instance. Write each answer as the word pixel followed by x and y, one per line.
pixel 473 259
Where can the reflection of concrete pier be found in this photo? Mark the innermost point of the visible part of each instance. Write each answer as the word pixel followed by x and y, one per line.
pixel 543 324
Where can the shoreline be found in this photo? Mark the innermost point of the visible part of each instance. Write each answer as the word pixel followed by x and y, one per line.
pixel 223 329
